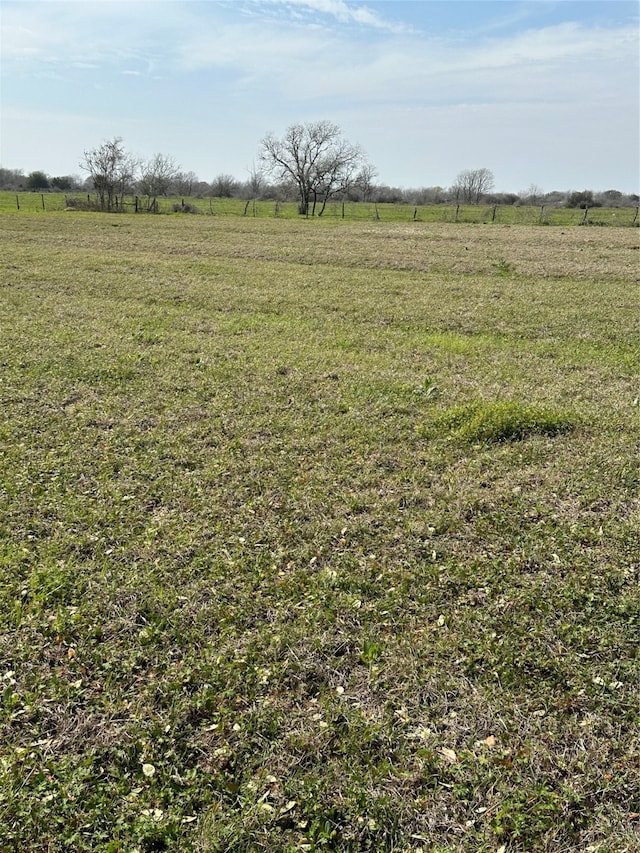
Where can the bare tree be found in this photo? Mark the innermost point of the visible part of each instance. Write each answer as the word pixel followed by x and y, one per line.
pixel 12 179
pixel 255 183
pixel 184 182
pixel 364 181
pixel 157 176
pixel 224 186
pixel 534 194
pixel 472 184
pixel 316 158
pixel 111 170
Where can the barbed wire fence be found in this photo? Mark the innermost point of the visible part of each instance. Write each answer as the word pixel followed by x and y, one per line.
pixel 492 214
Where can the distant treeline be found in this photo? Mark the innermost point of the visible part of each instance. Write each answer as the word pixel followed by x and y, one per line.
pixel 187 185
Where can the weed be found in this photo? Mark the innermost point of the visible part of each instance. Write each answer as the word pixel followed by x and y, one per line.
pixel 429 390
pixel 504 267
pixel 528 817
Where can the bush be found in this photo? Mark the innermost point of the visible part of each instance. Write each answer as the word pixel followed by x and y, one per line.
pixel 37 181
pixel 582 200
pixel 185 208
pixel 80 204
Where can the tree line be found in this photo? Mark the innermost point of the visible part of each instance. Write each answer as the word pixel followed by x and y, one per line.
pixel 312 163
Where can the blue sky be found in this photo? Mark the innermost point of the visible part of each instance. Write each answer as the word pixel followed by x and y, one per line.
pixel 543 93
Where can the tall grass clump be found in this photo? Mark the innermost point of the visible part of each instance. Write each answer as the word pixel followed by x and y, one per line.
pixel 504 420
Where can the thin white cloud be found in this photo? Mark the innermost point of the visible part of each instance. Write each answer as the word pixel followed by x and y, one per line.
pixel 568 41
pixel 344 13
pixel 75 32
pixel 556 63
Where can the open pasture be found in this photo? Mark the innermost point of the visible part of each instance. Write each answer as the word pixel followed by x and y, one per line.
pixel 36 203
pixel 318 536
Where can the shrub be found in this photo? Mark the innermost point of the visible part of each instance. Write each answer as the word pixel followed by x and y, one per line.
pixel 185 208
pixel 37 181
pixel 583 200
pixel 72 203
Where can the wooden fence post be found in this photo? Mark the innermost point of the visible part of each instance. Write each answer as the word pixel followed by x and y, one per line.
pixel 18 202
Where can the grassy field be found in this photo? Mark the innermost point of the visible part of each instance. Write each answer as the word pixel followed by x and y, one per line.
pixel 351 211
pixel 318 536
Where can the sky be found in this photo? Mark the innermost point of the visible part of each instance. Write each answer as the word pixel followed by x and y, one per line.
pixel 541 92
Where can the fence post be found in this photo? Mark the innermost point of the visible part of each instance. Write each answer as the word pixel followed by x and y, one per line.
pixel 18 202
pixel 493 215
pixel 635 216
pixel 457 212
pixel 584 218
pixel 42 197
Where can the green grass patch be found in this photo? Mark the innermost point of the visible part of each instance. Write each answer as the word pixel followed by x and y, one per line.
pixel 505 420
